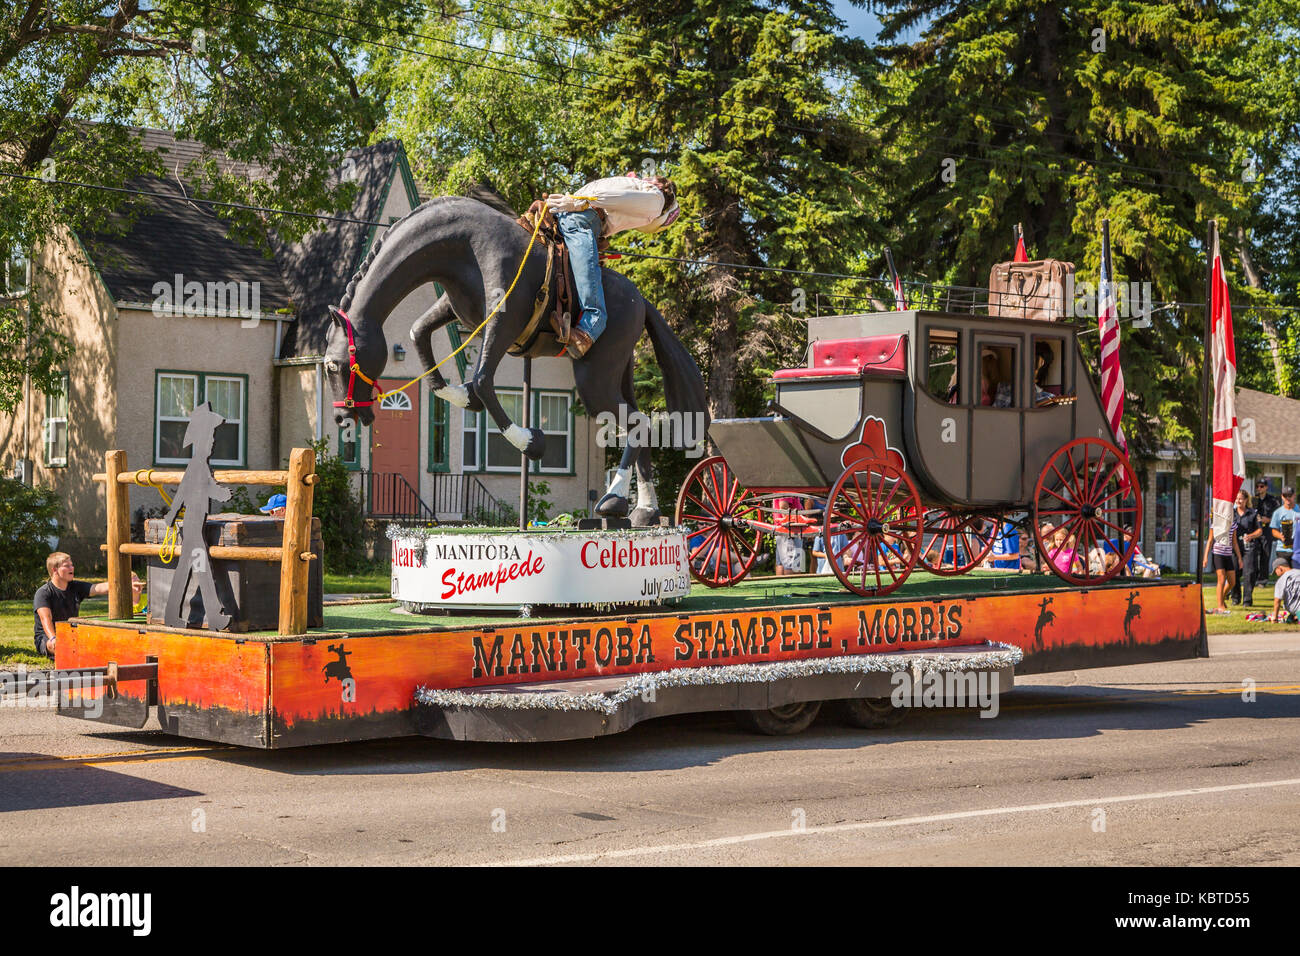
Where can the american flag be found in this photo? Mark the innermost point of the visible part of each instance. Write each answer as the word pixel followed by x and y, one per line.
pixel 1229 462
pixel 900 300
pixel 1112 375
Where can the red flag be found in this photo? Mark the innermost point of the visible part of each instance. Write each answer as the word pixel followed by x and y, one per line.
pixel 1021 255
pixel 1229 462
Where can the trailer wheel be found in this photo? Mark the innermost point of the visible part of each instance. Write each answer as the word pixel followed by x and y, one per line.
pixel 873 527
pixel 1089 489
pixel 712 502
pixel 967 537
pixel 870 713
pixel 780 721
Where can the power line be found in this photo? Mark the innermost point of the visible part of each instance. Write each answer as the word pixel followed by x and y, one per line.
pixel 707 263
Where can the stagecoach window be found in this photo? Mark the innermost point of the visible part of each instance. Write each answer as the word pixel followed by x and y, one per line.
pixel 944 361
pixel 998 376
pixel 1049 370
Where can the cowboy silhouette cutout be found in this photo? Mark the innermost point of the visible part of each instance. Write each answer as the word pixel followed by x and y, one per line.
pixel 1133 613
pixel 197 489
pixel 1045 619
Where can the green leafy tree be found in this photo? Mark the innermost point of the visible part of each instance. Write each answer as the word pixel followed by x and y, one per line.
pixel 486 94
pixel 1058 115
pixel 271 85
pixel 738 102
pixel 28 518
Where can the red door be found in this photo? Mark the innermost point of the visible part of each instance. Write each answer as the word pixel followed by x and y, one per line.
pixel 395 452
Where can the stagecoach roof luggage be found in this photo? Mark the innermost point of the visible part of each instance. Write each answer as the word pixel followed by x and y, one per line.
pixel 881 354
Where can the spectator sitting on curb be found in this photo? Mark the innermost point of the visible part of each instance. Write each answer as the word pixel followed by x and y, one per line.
pixel 1287 590
pixel 59 599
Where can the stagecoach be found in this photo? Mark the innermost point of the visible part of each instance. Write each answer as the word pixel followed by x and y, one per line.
pixel 908 439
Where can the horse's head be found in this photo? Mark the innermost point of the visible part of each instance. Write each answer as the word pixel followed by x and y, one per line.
pixel 355 356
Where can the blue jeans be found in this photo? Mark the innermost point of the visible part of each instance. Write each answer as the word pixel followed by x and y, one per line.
pixel 580 231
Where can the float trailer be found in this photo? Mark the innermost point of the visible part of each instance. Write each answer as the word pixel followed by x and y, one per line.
pixel 772 649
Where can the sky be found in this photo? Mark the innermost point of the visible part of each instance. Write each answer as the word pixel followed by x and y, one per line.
pixel 859 21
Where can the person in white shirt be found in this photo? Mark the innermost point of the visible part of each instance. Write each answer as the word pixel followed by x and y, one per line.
pixel 605 208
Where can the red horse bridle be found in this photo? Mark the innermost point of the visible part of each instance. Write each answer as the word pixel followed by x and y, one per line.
pixel 354 370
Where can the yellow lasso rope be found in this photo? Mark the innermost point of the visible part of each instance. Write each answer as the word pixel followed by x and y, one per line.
pixel 382 395
pixel 168 549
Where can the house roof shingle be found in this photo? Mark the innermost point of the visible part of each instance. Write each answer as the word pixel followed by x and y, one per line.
pixel 1275 422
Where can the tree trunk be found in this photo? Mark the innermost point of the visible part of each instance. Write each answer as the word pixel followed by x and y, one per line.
pixel 1271 335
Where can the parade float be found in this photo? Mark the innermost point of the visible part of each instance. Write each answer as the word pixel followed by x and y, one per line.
pixel 908 438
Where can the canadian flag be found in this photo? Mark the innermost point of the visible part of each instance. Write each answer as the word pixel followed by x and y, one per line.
pixel 1229 462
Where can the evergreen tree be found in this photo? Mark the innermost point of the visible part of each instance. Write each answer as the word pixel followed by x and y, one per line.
pixel 1061 114
pixel 738 102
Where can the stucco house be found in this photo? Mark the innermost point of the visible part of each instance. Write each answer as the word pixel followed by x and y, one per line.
pixel 1270 441
pixel 174 312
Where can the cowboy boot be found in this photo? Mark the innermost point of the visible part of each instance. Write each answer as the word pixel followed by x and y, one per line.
pixel 579 342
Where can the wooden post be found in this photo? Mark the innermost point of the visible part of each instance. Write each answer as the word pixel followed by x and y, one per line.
pixel 118 499
pixel 297 539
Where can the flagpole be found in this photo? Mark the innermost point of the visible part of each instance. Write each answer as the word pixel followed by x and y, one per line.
pixel 1211 241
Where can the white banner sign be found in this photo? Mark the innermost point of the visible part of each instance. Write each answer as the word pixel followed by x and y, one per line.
pixel 505 568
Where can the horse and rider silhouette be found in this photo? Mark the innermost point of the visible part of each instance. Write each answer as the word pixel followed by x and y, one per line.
pixel 1045 619
pixel 338 668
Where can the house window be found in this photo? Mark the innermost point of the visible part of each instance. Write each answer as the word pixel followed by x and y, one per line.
pixel 501 455
pixel 1166 507
pixel 16 274
pixel 56 426
pixel 176 396
pixel 555 420
pixel 397 402
pixel 439 438
pixel 349 446
pixel 469 440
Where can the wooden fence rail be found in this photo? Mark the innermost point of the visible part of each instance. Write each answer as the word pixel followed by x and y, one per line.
pixel 299 482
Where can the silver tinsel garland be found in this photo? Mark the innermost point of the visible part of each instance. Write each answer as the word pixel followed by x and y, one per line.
pixel 1002 655
pixel 395 532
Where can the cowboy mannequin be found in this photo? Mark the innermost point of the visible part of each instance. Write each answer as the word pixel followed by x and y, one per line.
pixel 601 209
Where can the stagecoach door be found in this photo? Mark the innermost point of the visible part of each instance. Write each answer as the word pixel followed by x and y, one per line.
pixel 996 441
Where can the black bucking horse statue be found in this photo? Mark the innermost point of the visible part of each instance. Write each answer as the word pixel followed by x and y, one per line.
pixel 474 252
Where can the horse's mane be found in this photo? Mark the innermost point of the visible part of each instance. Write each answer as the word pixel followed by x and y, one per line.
pixel 351 289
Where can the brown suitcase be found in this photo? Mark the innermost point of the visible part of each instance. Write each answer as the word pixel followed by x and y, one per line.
pixel 1031 290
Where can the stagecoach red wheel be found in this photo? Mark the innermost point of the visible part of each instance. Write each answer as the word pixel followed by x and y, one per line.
pixel 876 509
pixel 952 544
pixel 711 501
pixel 1088 490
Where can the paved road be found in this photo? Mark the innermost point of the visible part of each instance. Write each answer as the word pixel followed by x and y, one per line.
pixel 1154 764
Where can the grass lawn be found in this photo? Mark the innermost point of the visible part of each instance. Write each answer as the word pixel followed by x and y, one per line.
pixel 16 647
pixel 367 582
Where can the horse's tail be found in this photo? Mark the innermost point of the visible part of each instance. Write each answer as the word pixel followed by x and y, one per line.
pixel 684 390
